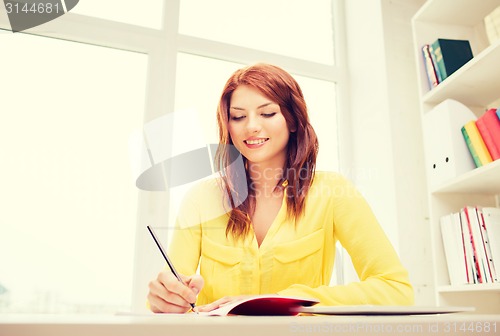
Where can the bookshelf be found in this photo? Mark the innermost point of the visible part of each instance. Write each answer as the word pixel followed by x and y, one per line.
pixel 476 85
pixel 482 180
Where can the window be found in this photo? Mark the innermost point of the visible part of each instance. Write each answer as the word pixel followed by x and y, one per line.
pixel 146 13
pixel 294 28
pixel 67 192
pixel 320 96
pixel 78 87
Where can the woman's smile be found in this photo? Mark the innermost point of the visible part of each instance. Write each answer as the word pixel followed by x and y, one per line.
pixel 255 142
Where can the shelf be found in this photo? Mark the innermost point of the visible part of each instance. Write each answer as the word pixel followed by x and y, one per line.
pixel 482 180
pixel 460 12
pixel 491 287
pixel 474 84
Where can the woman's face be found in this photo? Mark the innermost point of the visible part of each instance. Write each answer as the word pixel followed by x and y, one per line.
pixel 257 127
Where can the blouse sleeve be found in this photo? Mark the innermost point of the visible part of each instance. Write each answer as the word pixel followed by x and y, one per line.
pixel 383 279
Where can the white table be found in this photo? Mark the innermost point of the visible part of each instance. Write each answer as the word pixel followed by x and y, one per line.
pixel 191 324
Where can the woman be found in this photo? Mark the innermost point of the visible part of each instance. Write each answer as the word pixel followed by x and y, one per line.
pixel 272 227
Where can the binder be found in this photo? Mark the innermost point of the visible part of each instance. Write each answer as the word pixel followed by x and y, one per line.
pixel 447 155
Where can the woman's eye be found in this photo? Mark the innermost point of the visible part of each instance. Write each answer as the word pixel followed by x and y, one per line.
pixel 236 118
pixel 268 115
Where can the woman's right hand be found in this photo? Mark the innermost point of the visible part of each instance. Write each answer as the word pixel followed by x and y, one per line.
pixel 169 295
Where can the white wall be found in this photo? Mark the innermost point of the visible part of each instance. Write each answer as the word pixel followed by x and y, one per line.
pixel 387 151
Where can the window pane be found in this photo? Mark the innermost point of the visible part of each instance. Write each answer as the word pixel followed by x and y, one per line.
pixel 146 13
pixel 69 204
pixel 295 28
pixel 206 89
pixel 321 102
pixel 201 95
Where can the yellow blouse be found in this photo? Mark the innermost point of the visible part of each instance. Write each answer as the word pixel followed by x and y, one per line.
pixel 293 259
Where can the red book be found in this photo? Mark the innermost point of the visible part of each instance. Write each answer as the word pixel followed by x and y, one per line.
pixel 475 245
pixel 489 128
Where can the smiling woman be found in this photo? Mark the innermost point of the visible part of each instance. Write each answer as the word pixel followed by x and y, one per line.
pixel 273 224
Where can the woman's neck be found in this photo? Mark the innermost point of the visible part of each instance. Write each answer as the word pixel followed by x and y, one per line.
pixel 265 178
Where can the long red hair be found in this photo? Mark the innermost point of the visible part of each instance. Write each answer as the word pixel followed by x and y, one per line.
pixel 280 87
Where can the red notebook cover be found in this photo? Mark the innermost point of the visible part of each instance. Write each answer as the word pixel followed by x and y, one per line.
pixel 489 128
pixel 263 305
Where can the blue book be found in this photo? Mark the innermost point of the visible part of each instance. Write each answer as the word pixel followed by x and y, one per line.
pixel 498 113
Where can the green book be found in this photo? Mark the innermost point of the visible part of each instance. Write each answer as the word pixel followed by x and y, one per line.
pixel 472 151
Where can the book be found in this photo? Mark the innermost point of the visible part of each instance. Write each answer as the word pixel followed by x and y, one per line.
pixel 451 234
pixel 472 149
pixel 469 259
pixel 267 304
pixel 487 247
pixel 479 275
pixel 489 127
pixel 498 113
pixel 434 64
pixel 430 69
pixel 492 223
pixel 483 271
pixel 451 55
pixel 492 25
pixel 476 144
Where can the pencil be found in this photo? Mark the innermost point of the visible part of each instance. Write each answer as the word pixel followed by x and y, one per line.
pixel 167 259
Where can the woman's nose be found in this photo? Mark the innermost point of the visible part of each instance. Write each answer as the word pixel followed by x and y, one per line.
pixel 253 124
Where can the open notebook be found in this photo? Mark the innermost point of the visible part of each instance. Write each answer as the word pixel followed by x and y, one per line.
pixel 263 305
